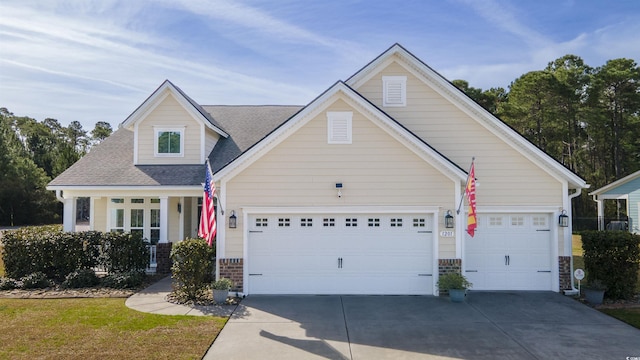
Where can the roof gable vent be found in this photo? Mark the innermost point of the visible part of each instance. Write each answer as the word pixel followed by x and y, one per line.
pixel 394 91
pixel 339 127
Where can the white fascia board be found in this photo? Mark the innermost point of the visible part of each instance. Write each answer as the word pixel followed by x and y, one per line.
pixel 318 106
pixel 472 109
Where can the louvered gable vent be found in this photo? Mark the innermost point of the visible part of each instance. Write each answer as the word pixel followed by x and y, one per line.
pixel 394 90
pixel 339 127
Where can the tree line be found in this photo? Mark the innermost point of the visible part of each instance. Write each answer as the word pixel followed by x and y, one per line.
pixel 586 118
pixel 31 154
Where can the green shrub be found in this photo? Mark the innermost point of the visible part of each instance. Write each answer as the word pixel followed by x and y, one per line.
pixel 80 279
pixel 193 264
pixel 453 281
pixel 123 252
pixel 124 280
pixel 36 280
pixel 612 257
pixel 55 253
pixel 222 284
pixel 48 250
pixel 8 283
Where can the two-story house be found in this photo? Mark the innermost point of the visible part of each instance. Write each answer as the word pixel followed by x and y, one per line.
pixel 346 195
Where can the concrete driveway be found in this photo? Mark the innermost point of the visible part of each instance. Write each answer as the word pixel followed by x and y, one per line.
pixel 490 325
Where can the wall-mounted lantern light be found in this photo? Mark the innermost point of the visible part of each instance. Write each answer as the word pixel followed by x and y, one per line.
pixel 448 220
pixel 339 187
pixel 179 208
pixel 563 219
pixel 233 220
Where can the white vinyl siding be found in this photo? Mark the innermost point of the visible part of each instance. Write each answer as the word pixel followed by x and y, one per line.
pixel 506 176
pixel 375 169
pixel 169 115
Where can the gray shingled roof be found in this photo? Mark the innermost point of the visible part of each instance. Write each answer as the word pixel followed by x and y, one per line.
pixel 111 162
pixel 247 126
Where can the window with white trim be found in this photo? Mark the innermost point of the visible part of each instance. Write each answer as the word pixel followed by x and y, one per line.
pixel 169 142
pixel 136 215
pixel 339 127
pixel 394 91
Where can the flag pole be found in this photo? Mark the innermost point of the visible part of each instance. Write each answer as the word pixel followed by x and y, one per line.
pixel 217 197
pixel 473 158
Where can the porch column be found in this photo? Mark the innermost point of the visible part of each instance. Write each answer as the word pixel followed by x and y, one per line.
pixel 92 212
pixel 69 214
pixel 164 219
pixel 600 214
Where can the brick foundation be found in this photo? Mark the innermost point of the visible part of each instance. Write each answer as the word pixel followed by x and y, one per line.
pixel 163 252
pixel 564 271
pixel 447 266
pixel 233 269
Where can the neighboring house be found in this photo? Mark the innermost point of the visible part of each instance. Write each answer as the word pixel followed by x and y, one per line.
pixel 346 195
pixel 627 188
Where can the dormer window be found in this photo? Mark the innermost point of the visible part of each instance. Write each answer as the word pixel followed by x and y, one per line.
pixel 169 142
pixel 394 90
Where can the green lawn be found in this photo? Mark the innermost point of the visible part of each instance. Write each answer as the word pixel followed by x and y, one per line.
pixel 98 329
pixel 631 316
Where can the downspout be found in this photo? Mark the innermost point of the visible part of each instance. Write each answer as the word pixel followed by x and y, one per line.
pixel 573 290
pixel 59 196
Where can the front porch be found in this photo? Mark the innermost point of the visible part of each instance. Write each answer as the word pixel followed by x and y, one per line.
pixel 160 219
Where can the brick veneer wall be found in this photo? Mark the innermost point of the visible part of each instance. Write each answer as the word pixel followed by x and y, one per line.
pixel 446 266
pixel 163 259
pixel 233 269
pixel 564 267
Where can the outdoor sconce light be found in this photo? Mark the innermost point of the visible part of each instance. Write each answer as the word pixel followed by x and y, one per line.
pixel 233 220
pixel 563 219
pixel 339 187
pixel 179 208
pixel 448 220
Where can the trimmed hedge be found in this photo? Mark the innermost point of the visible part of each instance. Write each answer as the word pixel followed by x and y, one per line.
pixel 193 265
pixel 56 254
pixel 612 257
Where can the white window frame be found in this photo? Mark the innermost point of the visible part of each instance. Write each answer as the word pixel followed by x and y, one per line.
pixel 389 81
pixel 126 207
pixel 157 131
pixel 339 127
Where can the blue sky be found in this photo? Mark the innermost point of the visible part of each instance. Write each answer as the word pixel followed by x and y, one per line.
pixel 98 60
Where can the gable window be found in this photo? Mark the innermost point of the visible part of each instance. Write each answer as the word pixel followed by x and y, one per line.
pixel 339 127
pixel 394 91
pixel 169 142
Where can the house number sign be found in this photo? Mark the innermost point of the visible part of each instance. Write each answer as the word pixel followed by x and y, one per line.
pixel 447 233
pixel 579 274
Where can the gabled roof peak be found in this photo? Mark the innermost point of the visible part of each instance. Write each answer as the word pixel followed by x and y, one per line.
pixel 190 105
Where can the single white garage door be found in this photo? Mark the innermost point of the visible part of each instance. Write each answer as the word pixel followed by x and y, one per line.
pixel 340 254
pixel 510 252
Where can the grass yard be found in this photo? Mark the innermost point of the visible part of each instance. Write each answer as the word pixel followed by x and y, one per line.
pixel 98 329
pixel 631 315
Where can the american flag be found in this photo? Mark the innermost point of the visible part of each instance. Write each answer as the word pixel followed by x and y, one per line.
pixel 207 229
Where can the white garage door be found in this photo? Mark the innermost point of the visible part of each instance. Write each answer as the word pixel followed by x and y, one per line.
pixel 510 252
pixel 340 254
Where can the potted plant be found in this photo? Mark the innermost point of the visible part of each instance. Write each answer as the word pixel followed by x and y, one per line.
pixel 221 289
pixel 456 284
pixel 594 292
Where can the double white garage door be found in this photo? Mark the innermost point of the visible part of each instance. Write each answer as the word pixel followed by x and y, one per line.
pixel 340 254
pixel 510 252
